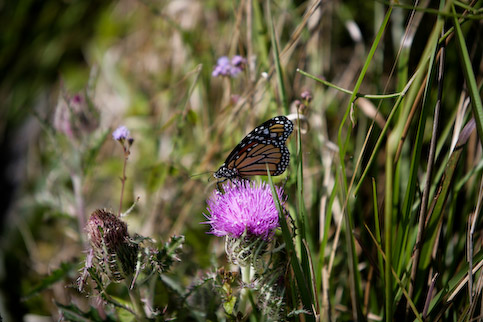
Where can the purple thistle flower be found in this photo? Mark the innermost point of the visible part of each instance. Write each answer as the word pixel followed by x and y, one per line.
pixel 244 207
pixel 121 133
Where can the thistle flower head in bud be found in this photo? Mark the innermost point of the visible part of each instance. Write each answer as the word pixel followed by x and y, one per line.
pixel 75 116
pixel 306 96
pixel 114 252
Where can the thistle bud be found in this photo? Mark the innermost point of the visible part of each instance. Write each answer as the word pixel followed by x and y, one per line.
pixel 114 252
pixel 306 96
pixel 75 116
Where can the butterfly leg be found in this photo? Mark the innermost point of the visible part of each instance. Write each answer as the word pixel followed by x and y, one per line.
pixel 218 185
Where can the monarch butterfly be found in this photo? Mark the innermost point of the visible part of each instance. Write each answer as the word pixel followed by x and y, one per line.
pixel 265 145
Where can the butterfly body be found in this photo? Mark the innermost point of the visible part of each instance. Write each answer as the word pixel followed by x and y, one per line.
pixel 262 147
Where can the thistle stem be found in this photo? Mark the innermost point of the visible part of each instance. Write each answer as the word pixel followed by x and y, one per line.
pixel 246 274
pixel 137 303
pixel 79 203
pixel 123 179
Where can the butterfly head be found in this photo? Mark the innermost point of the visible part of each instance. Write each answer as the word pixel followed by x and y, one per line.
pixel 224 172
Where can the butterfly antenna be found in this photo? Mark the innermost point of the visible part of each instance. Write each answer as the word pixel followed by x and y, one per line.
pixel 200 174
pixel 210 177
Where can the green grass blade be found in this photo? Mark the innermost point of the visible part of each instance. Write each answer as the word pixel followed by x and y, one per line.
pixel 452 285
pixel 376 226
pixel 346 91
pixel 343 145
pixel 304 235
pixel 469 76
pixel 439 201
pixel 398 281
pixel 278 67
pixel 302 281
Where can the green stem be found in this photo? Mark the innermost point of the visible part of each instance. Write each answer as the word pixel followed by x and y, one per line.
pixel 346 91
pixel 388 211
pixel 123 179
pixel 136 302
pixel 246 275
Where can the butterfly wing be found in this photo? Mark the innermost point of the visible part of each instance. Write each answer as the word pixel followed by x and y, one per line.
pixel 276 157
pixel 263 146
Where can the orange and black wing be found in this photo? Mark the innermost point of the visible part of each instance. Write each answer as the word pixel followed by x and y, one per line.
pixel 263 146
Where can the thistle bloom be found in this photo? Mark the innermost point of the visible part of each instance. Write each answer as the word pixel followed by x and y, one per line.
pixel 245 208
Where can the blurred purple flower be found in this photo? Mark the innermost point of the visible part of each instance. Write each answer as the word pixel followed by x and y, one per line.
pixel 222 68
pixel 121 133
pixel 235 98
pixel 244 207
pixel 225 67
pixel 74 117
pixel 77 99
pixel 235 71
pixel 306 96
pixel 238 61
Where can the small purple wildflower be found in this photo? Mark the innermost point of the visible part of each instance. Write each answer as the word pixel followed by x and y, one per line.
pixel 225 67
pixel 238 63
pixel 121 133
pixel 244 207
pixel 235 71
pixel 222 68
pixel 238 60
